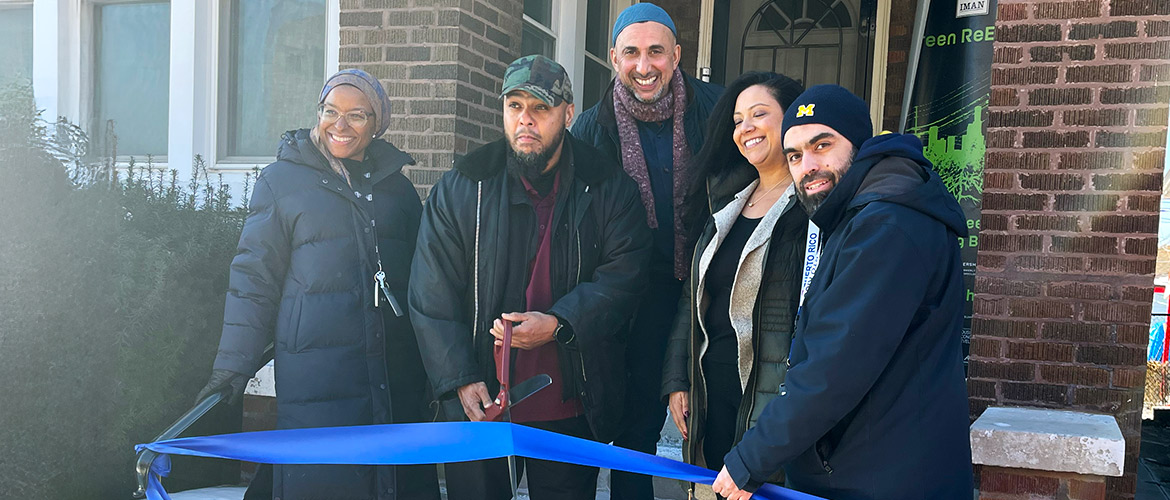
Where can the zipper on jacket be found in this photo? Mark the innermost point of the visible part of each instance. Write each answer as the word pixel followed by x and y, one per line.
pixel 580 356
pixel 475 266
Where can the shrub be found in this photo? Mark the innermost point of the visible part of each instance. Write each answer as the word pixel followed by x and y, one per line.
pixel 113 287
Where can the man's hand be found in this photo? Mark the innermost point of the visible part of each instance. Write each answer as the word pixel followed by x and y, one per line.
pixel 225 379
pixel 726 487
pixel 680 411
pixel 536 329
pixel 474 398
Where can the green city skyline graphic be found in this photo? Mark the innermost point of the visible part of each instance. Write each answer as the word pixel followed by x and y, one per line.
pixel 959 159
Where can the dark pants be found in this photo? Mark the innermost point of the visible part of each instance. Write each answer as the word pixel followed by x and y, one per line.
pixel 645 410
pixel 723 398
pixel 547 480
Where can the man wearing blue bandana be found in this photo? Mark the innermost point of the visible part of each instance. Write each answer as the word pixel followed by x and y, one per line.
pixel 874 405
pixel 651 119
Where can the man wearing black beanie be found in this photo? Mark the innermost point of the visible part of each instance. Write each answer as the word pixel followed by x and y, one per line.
pixel 874 405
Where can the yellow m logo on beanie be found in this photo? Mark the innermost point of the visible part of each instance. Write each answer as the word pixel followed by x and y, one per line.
pixel 805 110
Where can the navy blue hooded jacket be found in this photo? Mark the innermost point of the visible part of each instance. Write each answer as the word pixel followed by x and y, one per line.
pixel 875 404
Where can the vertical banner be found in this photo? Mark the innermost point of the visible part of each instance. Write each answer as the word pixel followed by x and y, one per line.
pixel 949 90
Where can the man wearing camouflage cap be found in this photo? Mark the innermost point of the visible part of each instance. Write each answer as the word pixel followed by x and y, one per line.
pixel 537 230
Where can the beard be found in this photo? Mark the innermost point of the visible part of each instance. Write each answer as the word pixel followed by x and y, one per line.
pixel 652 99
pixel 812 202
pixel 532 165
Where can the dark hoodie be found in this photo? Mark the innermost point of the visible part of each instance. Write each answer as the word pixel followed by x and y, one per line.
pixel 875 404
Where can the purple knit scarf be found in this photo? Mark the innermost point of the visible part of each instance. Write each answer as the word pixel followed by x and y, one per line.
pixel 628 110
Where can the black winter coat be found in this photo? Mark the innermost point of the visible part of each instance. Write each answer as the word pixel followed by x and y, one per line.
pixel 875 403
pixel 600 247
pixel 303 275
pixel 772 317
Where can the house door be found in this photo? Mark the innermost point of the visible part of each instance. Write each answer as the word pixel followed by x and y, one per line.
pixel 812 41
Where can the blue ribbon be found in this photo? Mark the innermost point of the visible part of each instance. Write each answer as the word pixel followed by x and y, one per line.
pixel 429 443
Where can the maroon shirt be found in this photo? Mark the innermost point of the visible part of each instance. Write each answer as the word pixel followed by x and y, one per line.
pixel 545 405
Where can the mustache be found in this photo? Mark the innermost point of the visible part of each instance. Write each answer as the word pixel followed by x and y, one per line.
pixel 818 176
pixel 526 131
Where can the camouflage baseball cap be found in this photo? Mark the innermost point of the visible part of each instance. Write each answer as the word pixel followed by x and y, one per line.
pixel 540 76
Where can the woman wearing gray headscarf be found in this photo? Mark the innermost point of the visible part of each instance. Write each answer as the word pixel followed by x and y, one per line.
pixel 322 270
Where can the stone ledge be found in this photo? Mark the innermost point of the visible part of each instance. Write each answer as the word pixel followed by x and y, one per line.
pixel 1050 440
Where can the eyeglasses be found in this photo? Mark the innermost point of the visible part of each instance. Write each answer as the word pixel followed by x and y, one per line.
pixel 330 116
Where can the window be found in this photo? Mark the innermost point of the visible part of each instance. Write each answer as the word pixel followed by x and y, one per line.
pixel 538 36
pixel 598 72
pixel 131 76
pixel 272 67
pixel 804 14
pixel 16 39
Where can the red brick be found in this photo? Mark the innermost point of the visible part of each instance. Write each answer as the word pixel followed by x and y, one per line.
pixel 1047 223
pixel 1137 335
pixel 1116 311
pixel 985 260
pixel 1086 490
pixel 1129 378
pixel 1154 73
pixel 989 306
pixel 1009 287
pixel 1142 203
pixel 360 19
pixel 1139 95
pixel 1091 160
pixel 1074 375
pixel 1008 160
pixel 986 347
pixel 1040 351
pixel 1051 53
pixel 1152 160
pixel 1080 290
pixel 1101 245
pixel 1028 75
pixel 1085 202
pixel 1004 97
pixel 1141 246
pixel 1022 372
pixel 1059 96
pixel 1157 28
pixel 1001 139
pixel 1115 29
pixel 1130 140
pixel 1138 293
pixel 1035 393
pixel 1106 265
pixel 1095 117
pixel 1051 182
pixel 1138 50
pixel 1067 10
pixel 1109 400
pixel 1155 117
pixel 1028 33
pixel 1076 332
pixel 1008 55
pixel 1012 12
pixel 994 222
pixel 1010 242
pixel 1016 482
pixel 1138 8
pixel 1014 201
pixel 981 389
pixel 1111 355
pixel 999 180
pixel 1053 139
pixel 1020 118
pixel 1128 182
pixel 1062 264
pixel 1033 308
pixel 1147 224
pixel 1002 328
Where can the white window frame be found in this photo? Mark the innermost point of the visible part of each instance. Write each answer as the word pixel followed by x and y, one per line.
pixel 239 166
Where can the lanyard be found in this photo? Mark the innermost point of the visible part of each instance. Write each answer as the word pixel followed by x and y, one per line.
pixel 812 257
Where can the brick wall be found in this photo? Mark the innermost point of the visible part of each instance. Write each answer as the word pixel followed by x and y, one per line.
pixel 898 50
pixel 442 63
pixel 1076 137
pixel 685 14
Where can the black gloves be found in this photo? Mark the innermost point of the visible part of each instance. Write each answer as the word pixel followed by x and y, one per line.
pixel 225 379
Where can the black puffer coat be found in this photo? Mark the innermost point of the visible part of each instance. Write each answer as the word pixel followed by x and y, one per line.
pixel 600 247
pixel 303 276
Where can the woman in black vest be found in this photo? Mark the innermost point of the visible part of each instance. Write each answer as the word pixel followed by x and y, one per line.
pixel 727 354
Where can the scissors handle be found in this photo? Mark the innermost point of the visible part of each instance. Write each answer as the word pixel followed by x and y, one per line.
pixel 494 411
